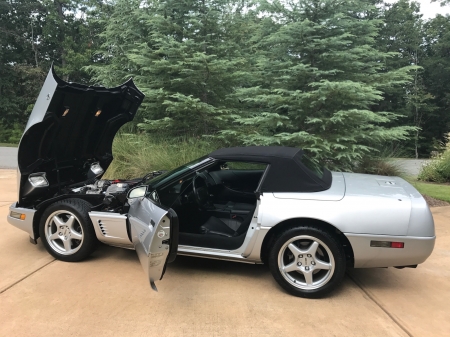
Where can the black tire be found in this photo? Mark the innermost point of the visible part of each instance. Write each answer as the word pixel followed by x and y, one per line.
pixel 297 274
pixel 61 241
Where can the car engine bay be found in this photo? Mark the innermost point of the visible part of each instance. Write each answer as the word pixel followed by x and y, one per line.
pixel 112 194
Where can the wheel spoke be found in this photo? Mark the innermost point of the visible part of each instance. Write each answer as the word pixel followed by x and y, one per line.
pixel 58 221
pixel 308 277
pixel 313 248
pixel 70 222
pixel 67 245
pixel 75 235
pixel 54 236
pixel 295 250
pixel 322 265
pixel 290 267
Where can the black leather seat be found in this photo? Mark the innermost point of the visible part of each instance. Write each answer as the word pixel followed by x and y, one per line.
pixel 227 227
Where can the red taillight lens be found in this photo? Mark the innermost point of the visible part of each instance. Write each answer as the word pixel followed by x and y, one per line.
pixel 387 244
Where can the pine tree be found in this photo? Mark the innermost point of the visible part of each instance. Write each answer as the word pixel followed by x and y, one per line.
pixel 318 75
pixel 182 55
pixel 436 75
pixel 403 33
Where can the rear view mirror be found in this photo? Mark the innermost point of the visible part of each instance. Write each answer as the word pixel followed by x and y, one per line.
pixel 137 192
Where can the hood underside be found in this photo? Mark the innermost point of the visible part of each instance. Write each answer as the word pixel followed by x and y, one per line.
pixel 71 127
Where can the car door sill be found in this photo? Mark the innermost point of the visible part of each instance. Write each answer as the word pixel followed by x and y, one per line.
pixel 211 253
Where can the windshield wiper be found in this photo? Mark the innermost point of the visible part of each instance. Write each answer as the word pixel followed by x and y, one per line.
pixel 152 175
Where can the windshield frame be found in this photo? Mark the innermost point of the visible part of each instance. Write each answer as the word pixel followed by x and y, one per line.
pixel 163 179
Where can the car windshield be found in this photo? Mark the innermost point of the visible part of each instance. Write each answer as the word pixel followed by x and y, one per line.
pixel 312 166
pixel 179 171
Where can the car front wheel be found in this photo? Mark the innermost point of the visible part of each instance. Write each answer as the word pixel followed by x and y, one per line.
pixel 307 261
pixel 66 230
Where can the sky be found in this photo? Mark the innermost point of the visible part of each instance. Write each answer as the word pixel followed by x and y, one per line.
pixel 428 9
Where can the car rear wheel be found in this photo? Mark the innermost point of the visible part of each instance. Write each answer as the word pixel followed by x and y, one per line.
pixel 66 230
pixel 307 262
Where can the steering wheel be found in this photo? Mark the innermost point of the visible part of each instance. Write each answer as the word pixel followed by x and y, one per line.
pixel 200 188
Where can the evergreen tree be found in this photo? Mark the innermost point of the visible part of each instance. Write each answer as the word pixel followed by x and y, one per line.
pixel 318 75
pixel 403 33
pixel 436 63
pixel 182 55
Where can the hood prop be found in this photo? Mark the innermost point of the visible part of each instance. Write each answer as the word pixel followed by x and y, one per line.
pixel 58 179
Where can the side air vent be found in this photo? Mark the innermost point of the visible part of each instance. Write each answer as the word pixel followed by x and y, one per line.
pixel 103 228
pixel 142 233
pixel 111 228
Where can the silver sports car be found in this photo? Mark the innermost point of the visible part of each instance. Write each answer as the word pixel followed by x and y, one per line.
pixel 248 204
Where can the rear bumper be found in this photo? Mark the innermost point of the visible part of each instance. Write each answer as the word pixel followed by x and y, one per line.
pixel 26 224
pixel 416 250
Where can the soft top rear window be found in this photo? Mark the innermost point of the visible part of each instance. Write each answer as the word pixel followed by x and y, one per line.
pixel 312 166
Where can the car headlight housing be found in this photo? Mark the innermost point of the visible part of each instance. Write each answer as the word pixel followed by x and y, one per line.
pixel 97 169
pixel 38 179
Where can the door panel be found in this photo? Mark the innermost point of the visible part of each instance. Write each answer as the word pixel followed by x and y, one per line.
pixel 154 233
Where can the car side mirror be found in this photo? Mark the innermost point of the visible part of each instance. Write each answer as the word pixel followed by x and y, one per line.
pixel 137 192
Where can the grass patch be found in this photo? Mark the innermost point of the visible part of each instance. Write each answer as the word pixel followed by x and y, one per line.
pixel 8 145
pixel 138 154
pixel 437 191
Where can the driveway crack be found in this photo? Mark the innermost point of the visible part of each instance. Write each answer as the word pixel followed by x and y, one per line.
pixel 380 305
pixel 26 276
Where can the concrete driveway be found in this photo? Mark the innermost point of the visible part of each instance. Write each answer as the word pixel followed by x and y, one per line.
pixel 108 295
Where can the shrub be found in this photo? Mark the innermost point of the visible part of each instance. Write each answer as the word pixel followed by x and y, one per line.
pixel 438 169
pixel 138 154
pixel 382 164
pixel 11 134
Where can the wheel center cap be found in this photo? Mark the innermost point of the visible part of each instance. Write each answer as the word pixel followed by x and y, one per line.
pixel 66 231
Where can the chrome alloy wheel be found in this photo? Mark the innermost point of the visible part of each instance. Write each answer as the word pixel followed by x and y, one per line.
pixel 63 232
pixel 306 262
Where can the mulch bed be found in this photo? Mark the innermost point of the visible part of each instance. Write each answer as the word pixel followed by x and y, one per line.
pixel 435 202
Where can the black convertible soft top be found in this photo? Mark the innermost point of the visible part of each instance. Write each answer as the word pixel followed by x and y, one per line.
pixel 286 172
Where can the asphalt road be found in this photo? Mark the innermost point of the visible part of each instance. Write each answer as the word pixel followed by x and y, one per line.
pixel 8 157
pixel 108 294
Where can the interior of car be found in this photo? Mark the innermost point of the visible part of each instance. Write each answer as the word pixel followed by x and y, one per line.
pixel 215 206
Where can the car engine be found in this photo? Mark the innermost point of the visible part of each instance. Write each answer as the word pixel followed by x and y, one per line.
pixel 114 192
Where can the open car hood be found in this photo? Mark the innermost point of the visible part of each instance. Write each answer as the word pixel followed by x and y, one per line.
pixel 71 127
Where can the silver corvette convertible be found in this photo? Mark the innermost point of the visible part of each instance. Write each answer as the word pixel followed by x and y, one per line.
pixel 251 204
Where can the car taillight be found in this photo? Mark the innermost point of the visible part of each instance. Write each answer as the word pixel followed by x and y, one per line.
pixel 387 244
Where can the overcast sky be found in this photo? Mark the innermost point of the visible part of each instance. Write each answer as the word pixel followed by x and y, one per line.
pixel 428 9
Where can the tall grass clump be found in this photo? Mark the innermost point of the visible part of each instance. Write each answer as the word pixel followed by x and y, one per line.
pixel 438 169
pixel 382 164
pixel 138 154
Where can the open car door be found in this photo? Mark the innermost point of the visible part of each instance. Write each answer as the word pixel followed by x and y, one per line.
pixel 154 232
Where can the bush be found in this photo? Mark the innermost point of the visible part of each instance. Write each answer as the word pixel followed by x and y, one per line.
pixel 138 154
pixel 438 169
pixel 11 134
pixel 381 164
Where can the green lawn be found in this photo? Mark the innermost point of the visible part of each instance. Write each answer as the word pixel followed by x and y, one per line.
pixel 437 191
pixel 8 145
